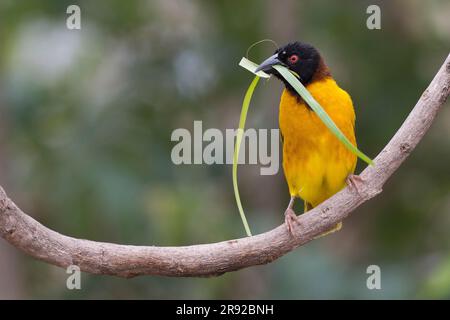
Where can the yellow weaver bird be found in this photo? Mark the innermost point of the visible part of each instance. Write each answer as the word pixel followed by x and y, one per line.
pixel 316 164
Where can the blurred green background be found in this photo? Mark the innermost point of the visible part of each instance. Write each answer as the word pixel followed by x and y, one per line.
pixel 86 117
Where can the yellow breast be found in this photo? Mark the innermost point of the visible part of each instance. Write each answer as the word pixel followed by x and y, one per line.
pixel 315 162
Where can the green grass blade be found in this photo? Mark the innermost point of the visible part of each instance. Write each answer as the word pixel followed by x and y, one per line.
pixel 251 66
pixel 304 93
pixel 240 132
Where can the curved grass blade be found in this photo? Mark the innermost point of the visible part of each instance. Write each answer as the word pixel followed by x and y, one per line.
pixel 321 113
pixel 240 132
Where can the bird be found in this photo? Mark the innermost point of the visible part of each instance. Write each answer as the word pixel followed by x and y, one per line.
pixel 316 164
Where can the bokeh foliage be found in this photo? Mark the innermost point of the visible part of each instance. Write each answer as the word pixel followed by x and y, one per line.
pixel 86 118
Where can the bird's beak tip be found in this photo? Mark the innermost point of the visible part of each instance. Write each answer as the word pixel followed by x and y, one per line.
pixel 267 64
pixel 258 69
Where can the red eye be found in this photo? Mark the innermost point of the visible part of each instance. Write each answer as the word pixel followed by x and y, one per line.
pixel 293 58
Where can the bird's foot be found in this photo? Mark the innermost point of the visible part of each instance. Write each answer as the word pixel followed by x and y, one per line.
pixel 353 181
pixel 290 219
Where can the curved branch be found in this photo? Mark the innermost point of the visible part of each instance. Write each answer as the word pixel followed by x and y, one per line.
pixel 31 237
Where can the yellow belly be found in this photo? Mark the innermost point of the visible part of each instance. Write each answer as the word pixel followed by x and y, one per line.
pixel 315 163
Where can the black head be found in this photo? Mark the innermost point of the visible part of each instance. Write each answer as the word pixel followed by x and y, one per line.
pixel 299 57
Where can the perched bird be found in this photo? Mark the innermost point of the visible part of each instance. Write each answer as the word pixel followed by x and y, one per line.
pixel 315 163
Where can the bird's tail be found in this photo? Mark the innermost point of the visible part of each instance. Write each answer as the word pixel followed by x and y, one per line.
pixel 308 206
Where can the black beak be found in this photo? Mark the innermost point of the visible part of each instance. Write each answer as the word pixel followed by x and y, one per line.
pixel 268 63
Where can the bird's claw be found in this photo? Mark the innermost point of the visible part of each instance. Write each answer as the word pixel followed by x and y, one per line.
pixel 353 180
pixel 290 219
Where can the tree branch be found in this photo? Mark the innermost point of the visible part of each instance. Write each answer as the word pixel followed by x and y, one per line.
pixel 213 259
